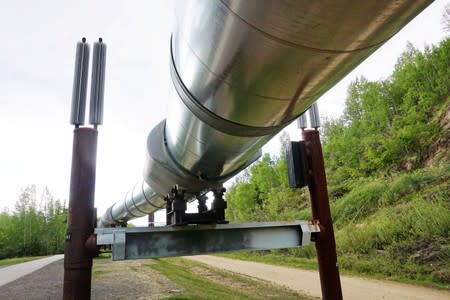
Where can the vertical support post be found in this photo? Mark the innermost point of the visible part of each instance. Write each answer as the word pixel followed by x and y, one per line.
pixel 325 243
pixel 201 199
pixel 151 220
pixel 168 210
pixel 80 221
pixel 179 206
pixel 219 205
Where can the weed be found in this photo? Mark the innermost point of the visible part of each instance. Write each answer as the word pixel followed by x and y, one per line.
pixel 396 227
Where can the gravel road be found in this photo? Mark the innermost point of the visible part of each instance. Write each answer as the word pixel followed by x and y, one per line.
pixel 111 280
pixel 354 288
pixel 147 284
pixel 11 273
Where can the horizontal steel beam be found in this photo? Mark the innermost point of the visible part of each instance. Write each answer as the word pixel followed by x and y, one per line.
pixel 153 242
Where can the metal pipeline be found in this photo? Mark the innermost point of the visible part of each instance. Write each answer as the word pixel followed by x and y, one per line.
pixel 242 70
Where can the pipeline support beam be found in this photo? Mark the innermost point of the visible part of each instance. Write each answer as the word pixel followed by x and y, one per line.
pixel 153 242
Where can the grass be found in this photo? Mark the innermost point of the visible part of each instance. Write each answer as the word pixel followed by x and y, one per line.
pixel 18 260
pixel 203 282
pixel 96 272
pixel 395 228
pixel 403 233
pixel 275 257
pixel 103 255
pixel 373 267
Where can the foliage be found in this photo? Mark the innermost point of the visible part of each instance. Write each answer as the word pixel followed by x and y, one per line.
pixel 406 225
pixel 396 227
pixel 262 193
pixel 388 125
pixel 389 193
pixel 17 260
pixel 31 230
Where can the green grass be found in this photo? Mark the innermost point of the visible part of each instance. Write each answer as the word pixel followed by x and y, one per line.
pixel 395 228
pixel 18 260
pixel 404 232
pixel 103 255
pixel 373 267
pixel 203 282
pixel 96 273
pixel 275 257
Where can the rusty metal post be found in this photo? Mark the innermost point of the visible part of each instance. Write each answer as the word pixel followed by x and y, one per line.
pixel 325 243
pixel 80 221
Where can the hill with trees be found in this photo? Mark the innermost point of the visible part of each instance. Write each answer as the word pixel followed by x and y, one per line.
pixel 388 169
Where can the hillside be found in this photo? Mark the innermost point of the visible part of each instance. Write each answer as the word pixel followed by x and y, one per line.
pixel 388 168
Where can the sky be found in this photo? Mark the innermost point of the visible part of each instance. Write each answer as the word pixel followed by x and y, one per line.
pixel 36 76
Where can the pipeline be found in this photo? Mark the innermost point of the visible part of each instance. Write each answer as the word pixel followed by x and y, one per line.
pixel 242 70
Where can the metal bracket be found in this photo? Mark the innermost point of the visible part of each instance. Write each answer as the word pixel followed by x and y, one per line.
pixel 176 206
pixel 119 243
pixel 298 169
pixel 152 242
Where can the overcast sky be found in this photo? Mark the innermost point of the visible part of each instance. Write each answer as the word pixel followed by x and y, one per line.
pixel 36 74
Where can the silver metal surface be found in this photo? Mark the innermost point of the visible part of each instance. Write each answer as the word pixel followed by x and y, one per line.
pixel 314 117
pixel 79 88
pixel 119 244
pixel 151 242
pixel 201 149
pixel 262 63
pixel 308 229
pixel 244 69
pixel 97 83
pixel 302 121
pixel 141 200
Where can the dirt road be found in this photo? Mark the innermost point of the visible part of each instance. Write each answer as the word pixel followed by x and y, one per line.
pixel 354 288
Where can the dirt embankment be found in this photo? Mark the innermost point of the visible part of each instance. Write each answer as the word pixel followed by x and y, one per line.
pixel 440 149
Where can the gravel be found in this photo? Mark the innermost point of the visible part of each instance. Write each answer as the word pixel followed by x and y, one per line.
pixel 111 280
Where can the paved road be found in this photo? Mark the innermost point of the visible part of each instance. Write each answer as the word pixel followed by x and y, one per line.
pixel 354 288
pixel 11 273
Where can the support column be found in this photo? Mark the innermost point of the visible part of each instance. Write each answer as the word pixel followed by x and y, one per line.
pixel 151 220
pixel 325 243
pixel 80 219
pixel 219 205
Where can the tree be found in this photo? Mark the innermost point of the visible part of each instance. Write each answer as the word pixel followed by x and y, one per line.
pixel 446 18
pixel 25 209
pixel 30 230
pixel 265 195
pixel 388 125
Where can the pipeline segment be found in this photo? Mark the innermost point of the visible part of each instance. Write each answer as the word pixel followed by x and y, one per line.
pixel 242 70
